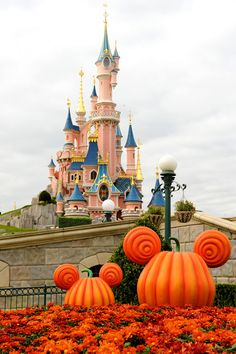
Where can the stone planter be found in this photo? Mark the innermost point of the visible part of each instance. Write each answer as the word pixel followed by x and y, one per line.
pixel 156 219
pixel 184 216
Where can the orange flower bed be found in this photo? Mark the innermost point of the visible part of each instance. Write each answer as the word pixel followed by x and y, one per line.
pixel 118 329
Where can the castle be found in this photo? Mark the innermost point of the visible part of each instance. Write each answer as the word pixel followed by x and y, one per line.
pixel 89 165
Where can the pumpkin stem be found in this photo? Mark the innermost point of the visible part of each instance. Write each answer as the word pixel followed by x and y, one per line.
pixel 90 273
pixel 176 242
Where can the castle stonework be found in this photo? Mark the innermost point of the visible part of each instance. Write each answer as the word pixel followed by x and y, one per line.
pixel 89 165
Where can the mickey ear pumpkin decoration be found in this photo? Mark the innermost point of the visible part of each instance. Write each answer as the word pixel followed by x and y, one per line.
pixel 111 273
pixel 65 276
pixel 141 244
pixel 214 247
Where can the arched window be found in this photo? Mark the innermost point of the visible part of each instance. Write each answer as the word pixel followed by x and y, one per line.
pixel 80 177
pixel 103 192
pixel 93 175
pixel 72 177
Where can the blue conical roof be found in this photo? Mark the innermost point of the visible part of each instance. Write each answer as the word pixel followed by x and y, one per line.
pixel 77 195
pixel 134 195
pixel 52 164
pixel 118 131
pixel 130 139
pixel 69 125
pixel 59 197
pixel 115 54
pixel 94 92
pixel 92 155
pixel 105 50
pixel 157 198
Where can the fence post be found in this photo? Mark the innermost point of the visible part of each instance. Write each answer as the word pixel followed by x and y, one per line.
pixel 45 295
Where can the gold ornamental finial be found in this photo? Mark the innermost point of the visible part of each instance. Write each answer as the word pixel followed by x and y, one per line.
pixel 139 175
pixel 94 80
pixel 81 108
pixel 76 180
pixel 68 102
pixel 132 180
pixel 105 12
pixel 157 172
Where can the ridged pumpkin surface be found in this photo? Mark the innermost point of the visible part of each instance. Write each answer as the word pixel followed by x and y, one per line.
pixel 88 292
pixel 177 279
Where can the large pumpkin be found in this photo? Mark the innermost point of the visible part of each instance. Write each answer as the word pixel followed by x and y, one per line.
pixel 177 279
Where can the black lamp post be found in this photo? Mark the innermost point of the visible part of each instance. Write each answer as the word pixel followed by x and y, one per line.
pixel 168 165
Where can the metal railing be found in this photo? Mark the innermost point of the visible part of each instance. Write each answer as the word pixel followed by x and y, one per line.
pixel 18 298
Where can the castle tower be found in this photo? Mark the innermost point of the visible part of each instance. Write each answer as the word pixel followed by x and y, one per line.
pixel 60 204
pixel 51 169
pixel 130 150
pixel 105 115
pixel 157 198
pixel 71 131
pixel 118 148
pixel 81 108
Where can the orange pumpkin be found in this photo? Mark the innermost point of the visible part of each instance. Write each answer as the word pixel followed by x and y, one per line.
pixel 65 276
pixel 176 279
pixel 141 244
pixel 111 273
pixel 89 291
pixel 214 247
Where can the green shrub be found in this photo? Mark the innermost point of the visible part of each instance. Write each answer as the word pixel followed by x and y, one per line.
pixel 225 295
pixel 155 210
pixel 67 222
pixel 184 205
pixel 126 292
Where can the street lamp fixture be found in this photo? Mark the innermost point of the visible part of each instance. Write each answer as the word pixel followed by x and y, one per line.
pixel 108 207
pixel 168 166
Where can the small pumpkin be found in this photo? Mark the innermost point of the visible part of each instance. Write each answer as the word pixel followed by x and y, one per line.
pixel 173 278
pixel 88 291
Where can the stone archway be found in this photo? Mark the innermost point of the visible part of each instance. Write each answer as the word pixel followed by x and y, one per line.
pixel 91 261
pixel 4 275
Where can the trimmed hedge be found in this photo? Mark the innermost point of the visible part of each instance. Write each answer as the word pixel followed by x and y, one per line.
pixel 67 222
pixel 225 295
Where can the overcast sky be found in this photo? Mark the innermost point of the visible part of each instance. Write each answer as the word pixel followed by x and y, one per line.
pixel 177 76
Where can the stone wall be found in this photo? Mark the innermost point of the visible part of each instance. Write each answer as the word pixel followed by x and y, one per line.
pixel 36 216
pixel 29 259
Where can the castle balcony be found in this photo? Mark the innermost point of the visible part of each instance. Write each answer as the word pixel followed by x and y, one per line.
pixel 105 115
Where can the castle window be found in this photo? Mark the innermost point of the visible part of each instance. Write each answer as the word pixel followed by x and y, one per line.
pixel 103 192
pixel 72 177
pixel 93 175
pixel 79 178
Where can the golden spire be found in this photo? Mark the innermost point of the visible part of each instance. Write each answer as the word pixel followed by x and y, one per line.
pixel 94 80
pixel 132 180
pixel 130 117
pixel 139 175
pixel 76 180
pixel 81 108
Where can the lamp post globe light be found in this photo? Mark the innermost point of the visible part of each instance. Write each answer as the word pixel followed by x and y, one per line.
pixel 168 166
pixel 108 206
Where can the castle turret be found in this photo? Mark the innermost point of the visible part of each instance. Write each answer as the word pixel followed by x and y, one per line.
pixel 119 148
pixel 130 150
pixel 94 97
pixel 81 108
pixel 51 169
pixel 133 202
pixel 60 204
pixel 157 198
pixel 71 130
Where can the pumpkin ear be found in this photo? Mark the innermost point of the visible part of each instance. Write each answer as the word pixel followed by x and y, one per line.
pixel 111 273
pixel 65 276
pixel 141 244
pixel 214 247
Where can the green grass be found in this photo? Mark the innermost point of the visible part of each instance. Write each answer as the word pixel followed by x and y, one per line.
pixel 15 212
pixel 12 229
